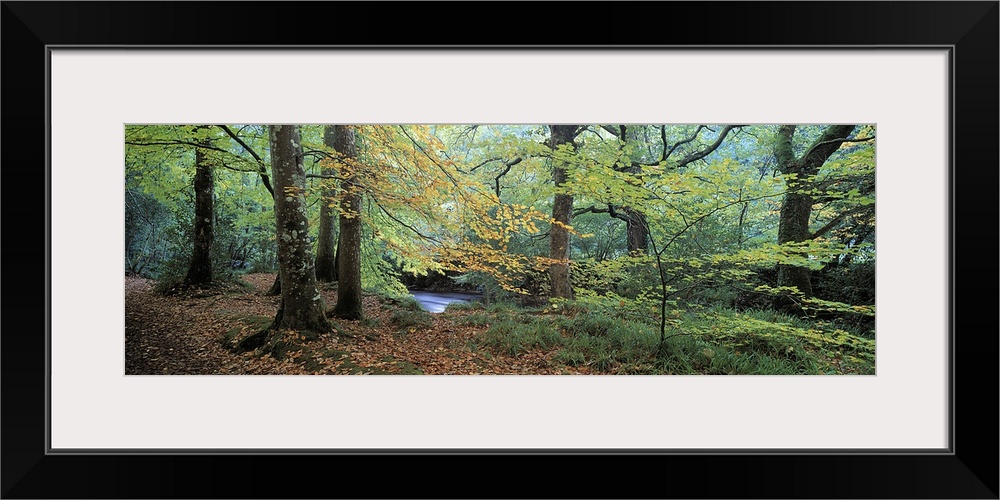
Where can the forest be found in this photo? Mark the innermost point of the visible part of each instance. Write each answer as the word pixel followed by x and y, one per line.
pixel 408 249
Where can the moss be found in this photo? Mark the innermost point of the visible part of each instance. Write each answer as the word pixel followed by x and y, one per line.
pixel 229 338
pixel 255 322
pixel 333 354
pixel 279 349
pixel 404 367
pixel 311 364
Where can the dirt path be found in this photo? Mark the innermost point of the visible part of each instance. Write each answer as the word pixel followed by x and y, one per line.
pixel 180 334
pixel 158 336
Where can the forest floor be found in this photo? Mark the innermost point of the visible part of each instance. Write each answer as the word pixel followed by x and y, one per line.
pixel 186 334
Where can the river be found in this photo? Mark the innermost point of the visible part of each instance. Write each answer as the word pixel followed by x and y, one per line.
pixel 435 302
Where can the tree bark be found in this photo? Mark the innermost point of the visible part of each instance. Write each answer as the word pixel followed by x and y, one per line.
pixel 562 212
pixel 637 231
pixel 793 222
pixel 326 244
pixel 275 289
pixel 200 270
pixel 349 244
pixel 301 304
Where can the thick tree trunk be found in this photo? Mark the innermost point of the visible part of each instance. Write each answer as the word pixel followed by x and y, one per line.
pixel 793 226
pixel 637 232
pixel 275 287
pixel 793 223
pixel 326 244
pixel 301 304
pixel 562 212
pixel 636 228
pixel 349 244
pixel 200 270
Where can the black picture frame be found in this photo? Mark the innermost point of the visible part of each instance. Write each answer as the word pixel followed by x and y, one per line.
pixel 969 470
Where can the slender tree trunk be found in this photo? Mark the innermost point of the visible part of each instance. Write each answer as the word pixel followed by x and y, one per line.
pixel 349 244
pixel 562 212
pixel 200 270
pixel 326 244
pixel 301 304
pixel 793 223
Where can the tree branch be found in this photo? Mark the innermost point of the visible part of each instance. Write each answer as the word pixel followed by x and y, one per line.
pixel 325 176
pixel 702 217
pixel 610 210
pixel 506 170
pixel 667 154
pixel 260 161
pixel 407 226
pixel 175 142
pixel 484 163
pixel 609 129
pixel 429 157
pixel 708 150
pixel 663 140
pixel 244 145
pixel 838 142
pixel 837 220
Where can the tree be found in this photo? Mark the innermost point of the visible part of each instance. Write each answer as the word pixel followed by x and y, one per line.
pixel 301 304
pixel 200 270
pixel 634 155
pixel 561 142
pixel 326 243
pixel 796 208
pixel 349 244
pixel 261 170
pixel 426 213
pixel 163 145
pixel 159 158
pixel 636 226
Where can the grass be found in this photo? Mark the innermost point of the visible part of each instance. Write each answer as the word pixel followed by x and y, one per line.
pixel 406 303
pixel 476 319
pixel 406 321
pixel 501 307
pixel 465 306
pixel 710 340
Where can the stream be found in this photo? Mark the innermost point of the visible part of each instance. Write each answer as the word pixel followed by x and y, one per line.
pixel 435 302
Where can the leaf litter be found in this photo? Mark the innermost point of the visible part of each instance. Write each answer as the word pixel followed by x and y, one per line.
pixel 186 334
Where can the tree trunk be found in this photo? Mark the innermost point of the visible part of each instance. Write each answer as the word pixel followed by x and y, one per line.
pixel 326 244
pixel 637 231
pixel 275 289
pixel 562 212
pixel 301 304
pixel 793 226
pixel 349 244
pixel 636 228
pixel 796 209
pixel 200 270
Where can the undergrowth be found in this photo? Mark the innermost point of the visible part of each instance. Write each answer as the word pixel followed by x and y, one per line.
pixel 714 340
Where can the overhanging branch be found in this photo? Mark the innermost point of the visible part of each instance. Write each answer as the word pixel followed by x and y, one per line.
pixel 836 141
pixel 262 171
pixel 836 221
pixel 709 149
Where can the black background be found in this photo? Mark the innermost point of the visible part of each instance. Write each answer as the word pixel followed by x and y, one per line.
pixel 971 472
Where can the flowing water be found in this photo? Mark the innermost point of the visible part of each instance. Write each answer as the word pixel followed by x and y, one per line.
pixel 435 302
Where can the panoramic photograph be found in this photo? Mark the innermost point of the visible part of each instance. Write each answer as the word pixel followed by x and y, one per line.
pixel 499 249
